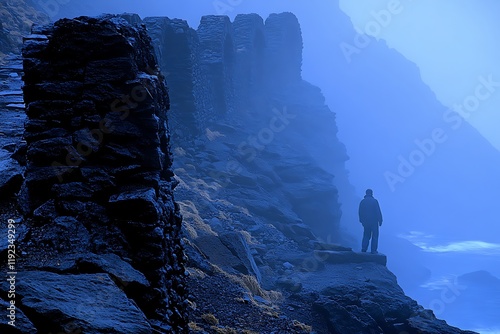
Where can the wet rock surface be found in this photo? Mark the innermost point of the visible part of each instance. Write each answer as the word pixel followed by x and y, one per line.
pixel 97 197
pixel 49 301
pixel 11 127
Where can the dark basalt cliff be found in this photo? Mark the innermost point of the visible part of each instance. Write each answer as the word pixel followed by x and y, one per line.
pixel 258 168
pixel 102 229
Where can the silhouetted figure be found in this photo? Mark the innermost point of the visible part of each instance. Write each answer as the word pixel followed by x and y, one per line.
pixel 371 218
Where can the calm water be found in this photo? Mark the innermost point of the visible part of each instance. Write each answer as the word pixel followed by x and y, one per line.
pixel 458 280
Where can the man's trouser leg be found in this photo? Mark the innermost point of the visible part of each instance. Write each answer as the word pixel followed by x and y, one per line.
pixel 367 234
pixel 374 237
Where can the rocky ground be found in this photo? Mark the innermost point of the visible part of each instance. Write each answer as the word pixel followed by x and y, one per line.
pixel 250 271
pixel 240 231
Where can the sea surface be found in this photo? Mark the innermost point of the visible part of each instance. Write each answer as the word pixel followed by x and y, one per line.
pixel 458 279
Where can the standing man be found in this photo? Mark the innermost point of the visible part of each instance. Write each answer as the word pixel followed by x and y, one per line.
pixel 371 218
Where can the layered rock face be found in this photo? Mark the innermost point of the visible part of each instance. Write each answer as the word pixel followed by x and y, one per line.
pixel 11 126
pixel 98 195
pixel 176 46
pixel 284 47
pixel 239 84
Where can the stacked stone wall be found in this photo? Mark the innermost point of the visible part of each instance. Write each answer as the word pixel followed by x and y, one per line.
pixel 98 155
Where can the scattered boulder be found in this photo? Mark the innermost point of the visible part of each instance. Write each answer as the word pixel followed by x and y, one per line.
pixel 289 284
pixel 11 175
pixel 236 243
pixel 349 319
pixel 196 258
pixel 140 204
pixel 220 255
pixel 91 303
pixel 124 274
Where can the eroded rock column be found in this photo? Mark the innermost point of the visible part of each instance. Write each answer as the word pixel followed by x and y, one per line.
pixel 176 46
pixel 99 189
pixel 217 62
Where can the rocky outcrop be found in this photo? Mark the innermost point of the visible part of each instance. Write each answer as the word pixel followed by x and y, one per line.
pixel 176 46
pixel 284 47
pixel 98 194
pixel 365 298
pixel 217 61
pixel 11 127
pixel 11 175
pixel 238 84
pixel 192 59
pixel 250 57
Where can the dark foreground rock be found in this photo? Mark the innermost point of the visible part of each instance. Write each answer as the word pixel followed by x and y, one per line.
pixel 102 307
pixel 11 174
pixel 365 298
pixel 101 252
pixel 19 319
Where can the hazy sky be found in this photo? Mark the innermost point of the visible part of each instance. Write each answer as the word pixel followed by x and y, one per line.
pixel 453 42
